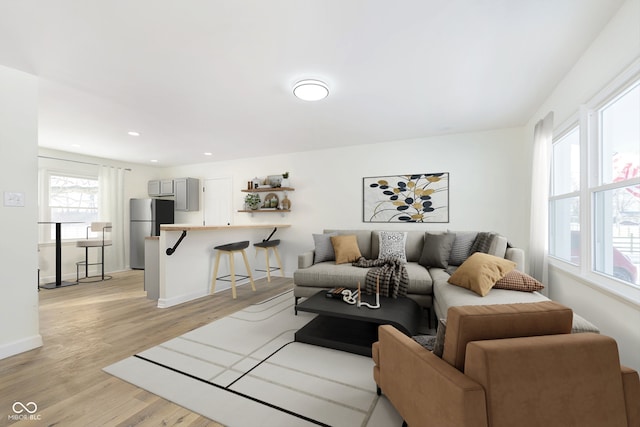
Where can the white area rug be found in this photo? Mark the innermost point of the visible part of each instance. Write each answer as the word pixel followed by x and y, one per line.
pixel 246 370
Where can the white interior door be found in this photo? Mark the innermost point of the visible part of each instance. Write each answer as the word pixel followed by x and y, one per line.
pixel 218 201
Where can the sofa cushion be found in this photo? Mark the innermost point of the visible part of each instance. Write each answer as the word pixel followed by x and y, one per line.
pixel 323 247
pixel 488 322
pixel 346 248
pixel 327 275
pixel 480 272
pixel 518 281
pixel 391 244
pixel 446 296
pixel 420 281
pixel 461 246
pixel 436 250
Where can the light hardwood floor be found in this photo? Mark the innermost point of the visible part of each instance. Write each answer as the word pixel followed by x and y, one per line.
pixel 90 326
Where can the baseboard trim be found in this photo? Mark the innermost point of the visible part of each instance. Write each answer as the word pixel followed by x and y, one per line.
pixel 20 346
pixel 170 302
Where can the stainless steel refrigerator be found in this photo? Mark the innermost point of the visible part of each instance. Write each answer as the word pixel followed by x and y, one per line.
pixel 146 215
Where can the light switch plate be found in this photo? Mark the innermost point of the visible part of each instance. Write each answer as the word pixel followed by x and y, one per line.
pixel 13 199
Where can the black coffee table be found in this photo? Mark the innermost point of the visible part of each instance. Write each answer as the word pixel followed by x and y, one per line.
pixel 346 327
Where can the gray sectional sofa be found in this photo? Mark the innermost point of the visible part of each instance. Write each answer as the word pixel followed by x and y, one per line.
pixel 428 286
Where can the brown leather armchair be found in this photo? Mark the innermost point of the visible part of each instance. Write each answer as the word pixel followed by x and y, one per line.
pixel 508 365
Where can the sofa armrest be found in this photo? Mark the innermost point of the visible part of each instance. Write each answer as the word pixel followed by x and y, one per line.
pixel 421 386
pixel 305 259
pixel 631 386
pixel 516 255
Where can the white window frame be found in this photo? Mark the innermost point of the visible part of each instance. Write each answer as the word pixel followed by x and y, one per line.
pixel 568 127
pixel 45 209
pixel 590 154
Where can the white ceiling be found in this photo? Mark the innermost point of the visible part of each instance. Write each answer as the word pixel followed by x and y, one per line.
pixel 216 75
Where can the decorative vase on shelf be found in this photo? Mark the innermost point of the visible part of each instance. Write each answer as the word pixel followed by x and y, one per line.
pixel 286 203
pixel 285 180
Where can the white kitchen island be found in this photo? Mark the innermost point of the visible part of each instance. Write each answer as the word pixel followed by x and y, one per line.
pixel 186 274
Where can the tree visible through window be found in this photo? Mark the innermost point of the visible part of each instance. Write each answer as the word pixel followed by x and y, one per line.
pixel 73 200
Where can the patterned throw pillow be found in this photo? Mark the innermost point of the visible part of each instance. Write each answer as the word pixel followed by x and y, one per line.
pixel 461 247
pixel 323 247
pixel 392 245
pixel 518 281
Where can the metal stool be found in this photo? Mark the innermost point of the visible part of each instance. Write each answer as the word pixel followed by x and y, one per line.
pixel 231 249
pixel 101 242
pixel 266 245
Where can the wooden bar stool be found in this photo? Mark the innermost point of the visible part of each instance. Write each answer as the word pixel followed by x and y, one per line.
pixel 231 249
pixel 266 245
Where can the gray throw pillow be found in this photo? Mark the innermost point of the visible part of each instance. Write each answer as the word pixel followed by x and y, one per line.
pixel 436 250
pixel 461 246
pixel 323 247
pixel 427 341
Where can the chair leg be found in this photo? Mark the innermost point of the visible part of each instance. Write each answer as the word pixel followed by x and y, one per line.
pixel 215 273
pixel 102 262
pixel 86 262
pixel 246 263
pixel 266 256
pixel 232 271
pixel 275 251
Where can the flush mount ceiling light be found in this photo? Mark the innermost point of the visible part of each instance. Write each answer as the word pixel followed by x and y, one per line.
pixel 133 133
pixel 311 90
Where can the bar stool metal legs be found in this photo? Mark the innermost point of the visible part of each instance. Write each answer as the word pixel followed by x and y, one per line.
pixel 266 245
pixel 231 249
pixel 100 242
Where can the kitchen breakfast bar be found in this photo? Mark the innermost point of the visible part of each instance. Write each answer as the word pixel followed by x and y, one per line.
pixel 186 257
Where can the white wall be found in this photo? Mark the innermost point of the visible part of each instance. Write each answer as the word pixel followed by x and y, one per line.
pixel 617 46
pixel 18 173
pixel 488 189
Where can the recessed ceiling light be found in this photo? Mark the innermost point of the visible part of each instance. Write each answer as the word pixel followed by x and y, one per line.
pixel 311 90
pixel 75 145
pixel 208 154
pixel 133 133
pixel 153 161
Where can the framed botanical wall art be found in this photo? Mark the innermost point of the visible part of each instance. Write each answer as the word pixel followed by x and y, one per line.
pixel 422 197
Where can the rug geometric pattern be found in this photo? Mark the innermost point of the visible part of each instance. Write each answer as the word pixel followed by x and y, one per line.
pixel 246 370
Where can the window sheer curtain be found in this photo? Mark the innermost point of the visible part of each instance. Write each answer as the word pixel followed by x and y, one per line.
pixel 112 207
pixel 540 176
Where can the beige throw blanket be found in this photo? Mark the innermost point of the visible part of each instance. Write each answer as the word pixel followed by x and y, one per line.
pixel 391 274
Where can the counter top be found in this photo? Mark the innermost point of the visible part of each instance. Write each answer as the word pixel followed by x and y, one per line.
pixel 194 227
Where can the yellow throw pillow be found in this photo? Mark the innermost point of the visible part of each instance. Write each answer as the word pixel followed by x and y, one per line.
pixel 346 248
pixel 480 272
